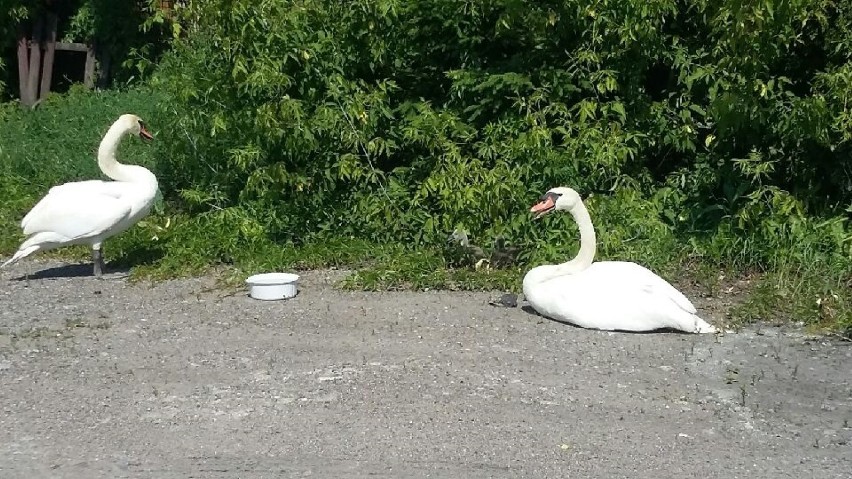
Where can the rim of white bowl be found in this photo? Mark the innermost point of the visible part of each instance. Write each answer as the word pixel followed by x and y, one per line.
pixel 272 278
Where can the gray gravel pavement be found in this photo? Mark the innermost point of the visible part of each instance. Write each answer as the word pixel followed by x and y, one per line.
pixel 103 378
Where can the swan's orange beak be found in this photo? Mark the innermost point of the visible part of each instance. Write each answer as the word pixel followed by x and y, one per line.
pixel 145 134
pixel 543 207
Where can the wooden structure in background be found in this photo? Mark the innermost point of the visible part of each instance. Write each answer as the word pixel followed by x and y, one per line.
pixel 36 54
pixel 37 50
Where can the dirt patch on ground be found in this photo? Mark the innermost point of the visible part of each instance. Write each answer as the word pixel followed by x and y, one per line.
pixel 101 378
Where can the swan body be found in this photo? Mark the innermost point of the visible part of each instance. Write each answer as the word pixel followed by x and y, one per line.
pixel 606 295
pixel 88 212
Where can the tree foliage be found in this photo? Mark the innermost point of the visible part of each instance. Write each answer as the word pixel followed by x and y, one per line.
pixel 11 12
pixel 400 120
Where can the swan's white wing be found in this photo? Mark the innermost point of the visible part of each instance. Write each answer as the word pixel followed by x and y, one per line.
pixel 113 189
pixel 614 295
pixel 75 213
pixel 641 277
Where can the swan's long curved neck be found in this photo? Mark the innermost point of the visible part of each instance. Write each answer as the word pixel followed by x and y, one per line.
pixel 584 257
pixel 110 165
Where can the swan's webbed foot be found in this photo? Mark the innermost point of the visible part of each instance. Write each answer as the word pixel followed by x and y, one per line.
pixel 98 261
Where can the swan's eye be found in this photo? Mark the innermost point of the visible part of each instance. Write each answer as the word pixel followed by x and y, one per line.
pixel 551 195
pixel 141 124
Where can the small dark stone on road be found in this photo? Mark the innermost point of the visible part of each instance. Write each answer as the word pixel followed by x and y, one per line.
pixel 508 300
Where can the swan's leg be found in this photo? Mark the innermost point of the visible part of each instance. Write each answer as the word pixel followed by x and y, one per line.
pixel 98 259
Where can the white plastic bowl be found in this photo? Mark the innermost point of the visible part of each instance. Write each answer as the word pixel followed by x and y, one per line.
pixel 272 286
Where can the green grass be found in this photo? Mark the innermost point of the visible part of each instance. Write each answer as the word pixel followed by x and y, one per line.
pixel 427 269
pixel 803 267
pixel 816 296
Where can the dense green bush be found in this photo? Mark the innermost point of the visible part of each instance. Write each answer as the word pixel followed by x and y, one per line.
pixel 437 113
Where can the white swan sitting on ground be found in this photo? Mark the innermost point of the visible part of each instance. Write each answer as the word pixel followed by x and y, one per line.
pixel 607 295
pixel 88 212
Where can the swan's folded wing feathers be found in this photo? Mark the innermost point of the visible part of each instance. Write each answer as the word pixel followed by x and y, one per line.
pixel 109 188
pixel 597 299
pixel 60 192
pixel 75 214
pixel 663 287
pixel 637 274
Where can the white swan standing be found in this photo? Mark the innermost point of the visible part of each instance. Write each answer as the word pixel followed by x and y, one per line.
pixel 88 212
pixel 607 295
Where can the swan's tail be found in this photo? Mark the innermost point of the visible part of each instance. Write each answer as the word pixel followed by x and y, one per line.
pixel 701 326
pixel 42 241
pixel 20 254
